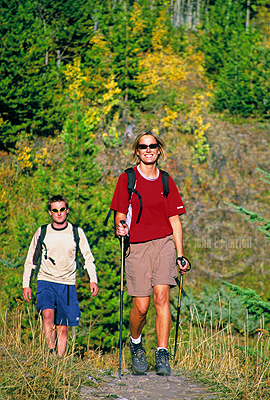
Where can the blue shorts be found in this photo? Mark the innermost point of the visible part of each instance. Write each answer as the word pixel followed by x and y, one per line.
pixel 60 298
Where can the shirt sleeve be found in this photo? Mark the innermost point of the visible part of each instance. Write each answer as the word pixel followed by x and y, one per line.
pixel 29 265
pixel 120 200
pixel 174 200
pixel 87 256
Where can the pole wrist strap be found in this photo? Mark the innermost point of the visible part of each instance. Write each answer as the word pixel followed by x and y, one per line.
pixel 183 259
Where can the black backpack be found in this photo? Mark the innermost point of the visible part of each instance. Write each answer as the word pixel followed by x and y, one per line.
pixel 40 243
pixel 131 189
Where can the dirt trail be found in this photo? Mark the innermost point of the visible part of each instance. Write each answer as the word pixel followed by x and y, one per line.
pixel 148 386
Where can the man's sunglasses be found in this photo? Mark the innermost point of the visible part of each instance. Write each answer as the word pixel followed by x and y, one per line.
pixel 56 210
pixel 144 146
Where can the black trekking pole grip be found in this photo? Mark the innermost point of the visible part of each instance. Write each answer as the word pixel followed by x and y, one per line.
pixel 183 260
pixel 122 222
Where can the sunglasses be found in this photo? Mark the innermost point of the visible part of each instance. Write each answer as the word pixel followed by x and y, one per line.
pixel 144 146
pixel 56 210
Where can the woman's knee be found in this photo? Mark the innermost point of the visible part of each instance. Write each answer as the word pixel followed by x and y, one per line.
pixel 141 307
pixel 161 297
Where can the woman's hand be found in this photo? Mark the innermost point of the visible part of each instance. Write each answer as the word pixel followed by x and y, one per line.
pixel 122 229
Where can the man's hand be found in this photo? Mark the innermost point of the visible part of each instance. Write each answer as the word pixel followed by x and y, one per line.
pixel 27 295
pixel 93 289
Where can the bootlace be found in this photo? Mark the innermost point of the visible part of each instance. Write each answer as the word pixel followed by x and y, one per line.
pixel 163 356
pixel 137 350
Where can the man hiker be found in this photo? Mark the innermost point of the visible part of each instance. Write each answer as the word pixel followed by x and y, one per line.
pixel 56 292
pixel 149 216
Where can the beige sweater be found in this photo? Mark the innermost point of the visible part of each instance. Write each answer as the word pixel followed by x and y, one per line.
pixel 58 263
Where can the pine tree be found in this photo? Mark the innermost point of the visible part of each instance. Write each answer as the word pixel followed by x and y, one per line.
pixel 254 217
pixel 30 83
pixel 78 178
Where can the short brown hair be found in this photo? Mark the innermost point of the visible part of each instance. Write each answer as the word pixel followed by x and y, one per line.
pixel 56 198
pixel 161 145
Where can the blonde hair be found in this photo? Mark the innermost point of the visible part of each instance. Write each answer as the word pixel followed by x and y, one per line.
pixel 161 146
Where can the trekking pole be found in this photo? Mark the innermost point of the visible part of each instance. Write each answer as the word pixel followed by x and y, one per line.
pixel 121 297
pixel 183 263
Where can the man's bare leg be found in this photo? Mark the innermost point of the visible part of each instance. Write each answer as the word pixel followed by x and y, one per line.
pixel 49 327
pixel 62 336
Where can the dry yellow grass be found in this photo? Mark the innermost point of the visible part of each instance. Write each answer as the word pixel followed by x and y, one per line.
pixel 238 368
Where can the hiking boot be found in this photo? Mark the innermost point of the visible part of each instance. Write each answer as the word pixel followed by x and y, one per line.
pixel 52 352
pixel 138 359
pixel 162 362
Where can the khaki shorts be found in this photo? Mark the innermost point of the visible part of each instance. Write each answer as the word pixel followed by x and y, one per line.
pixel 150 263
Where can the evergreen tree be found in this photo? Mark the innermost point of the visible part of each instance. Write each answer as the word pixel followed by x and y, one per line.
pixel 77 173
pixel 78 178
pixel 30 83
pixel 255 305
pixel 253 216
pixel 235 59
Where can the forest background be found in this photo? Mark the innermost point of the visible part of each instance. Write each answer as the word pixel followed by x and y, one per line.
pixel 79 80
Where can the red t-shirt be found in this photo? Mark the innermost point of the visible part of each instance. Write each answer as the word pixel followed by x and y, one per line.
pixel 156 209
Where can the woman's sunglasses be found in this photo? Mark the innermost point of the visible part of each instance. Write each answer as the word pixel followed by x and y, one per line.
pixel 56 210
pixel 144 146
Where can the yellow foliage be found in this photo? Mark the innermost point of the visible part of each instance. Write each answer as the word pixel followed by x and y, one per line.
pixel 99 42
pixel 2 195
pixel 28 156
pixel 160 32
pixel 167 70
pixel 170 117
pixel 106 96
pixel 96 114
pixel 161 70
pixel 112 90
pixel 195 120
pixel 75 79
pixel 136 21
pixel 24 157
pixel 263 17
pixel 42 156
pixel 2 122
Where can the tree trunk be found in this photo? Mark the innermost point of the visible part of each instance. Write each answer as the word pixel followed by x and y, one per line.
pixel 58 58
pixel 248 15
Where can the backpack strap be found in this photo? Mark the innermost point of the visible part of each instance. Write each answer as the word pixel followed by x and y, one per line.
pixel 131 189
pixel 165 182
pixel 38 250
pixel 131 179
pixel 131 183
pixel 77 241
pixel 107 217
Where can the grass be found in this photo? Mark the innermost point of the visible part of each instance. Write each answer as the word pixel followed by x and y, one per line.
pixel 234 366
pixel 237 366
pixel 28 371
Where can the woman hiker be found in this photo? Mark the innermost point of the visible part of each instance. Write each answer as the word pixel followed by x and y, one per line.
pixel 156 247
